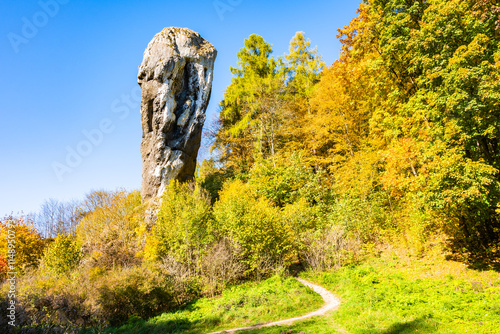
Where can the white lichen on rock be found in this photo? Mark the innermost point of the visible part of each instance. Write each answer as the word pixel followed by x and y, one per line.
pixel 176 81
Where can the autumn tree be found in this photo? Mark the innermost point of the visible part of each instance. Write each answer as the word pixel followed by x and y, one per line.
pixel 250 111
pixel 405 122
pixel 20 240
pixel 62 255
pixel 182 230
pixel 113 232
pixel 303 68
pixel 434 120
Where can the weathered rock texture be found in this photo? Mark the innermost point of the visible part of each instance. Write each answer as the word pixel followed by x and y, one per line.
pixel 176 81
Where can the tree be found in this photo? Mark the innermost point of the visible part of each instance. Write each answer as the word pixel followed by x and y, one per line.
pixel 435 112
pixel 250 111
pixel 182 230
pixel 20 243
pixel 113 232
pixel 286 180
pixel 303 68
pixel 339 126
pixel 58 217
pixel 62 255
pixel 304 65
pixel 255 226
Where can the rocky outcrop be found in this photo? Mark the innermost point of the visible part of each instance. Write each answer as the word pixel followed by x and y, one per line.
pixel 176 80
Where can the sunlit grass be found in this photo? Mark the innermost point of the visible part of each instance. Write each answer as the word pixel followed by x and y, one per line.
pixel 391 295
pixel 274 299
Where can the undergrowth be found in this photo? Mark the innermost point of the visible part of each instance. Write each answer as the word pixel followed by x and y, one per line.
pixel 247 304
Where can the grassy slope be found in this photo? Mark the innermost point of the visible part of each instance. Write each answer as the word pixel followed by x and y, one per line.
pixel 389 295
pixel 386 295
pixel 244 305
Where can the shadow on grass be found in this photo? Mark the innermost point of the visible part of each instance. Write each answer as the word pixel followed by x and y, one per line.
pixel 166 326
pixel 418 325
pixel 482 264
pixel 169 326
pixel 479 261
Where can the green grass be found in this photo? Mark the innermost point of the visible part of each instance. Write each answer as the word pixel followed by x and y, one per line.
pixel 385 295
pixel 314 325
pixel 274 299
pixel 385 298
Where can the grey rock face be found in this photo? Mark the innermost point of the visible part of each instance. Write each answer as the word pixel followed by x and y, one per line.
pixel 176 81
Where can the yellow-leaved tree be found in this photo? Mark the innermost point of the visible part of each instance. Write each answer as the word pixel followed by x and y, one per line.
pixel 113 232
pixel 20 242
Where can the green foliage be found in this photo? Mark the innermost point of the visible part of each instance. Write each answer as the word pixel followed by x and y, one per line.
pixel 262 107
pixel 254 224
pixel 248 116
pixel 363 218
pixel 183 226
pixel 62 255
pixel 285 180
pixel 304 66
pixel 447 95
pixel 411 109
pixel 284 214
pixel 211 178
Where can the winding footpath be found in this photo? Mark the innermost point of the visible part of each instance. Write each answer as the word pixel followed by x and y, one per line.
pixel 331 303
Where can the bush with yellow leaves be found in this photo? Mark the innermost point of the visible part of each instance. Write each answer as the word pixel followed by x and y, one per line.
pixel 62 255
pixel 20 240
pixel 112 233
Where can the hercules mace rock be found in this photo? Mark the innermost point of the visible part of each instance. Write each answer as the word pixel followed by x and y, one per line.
pixel 176 80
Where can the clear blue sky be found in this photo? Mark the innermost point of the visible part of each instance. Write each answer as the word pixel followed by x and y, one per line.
pixel 72 68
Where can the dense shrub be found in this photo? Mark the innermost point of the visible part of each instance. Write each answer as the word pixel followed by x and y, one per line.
pixel 49 300
pixel 76 300
pixel 112 234
pixel 286 179
pixel 211 178
pixel 361 218
pixel 182 230
pixel 29 245
pixel 62 255
pixel 255 225
pixel 134 291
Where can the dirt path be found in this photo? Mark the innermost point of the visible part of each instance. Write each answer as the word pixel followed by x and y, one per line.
pixel 331 303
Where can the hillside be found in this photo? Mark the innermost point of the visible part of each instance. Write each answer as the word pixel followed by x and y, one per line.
pixel 376 177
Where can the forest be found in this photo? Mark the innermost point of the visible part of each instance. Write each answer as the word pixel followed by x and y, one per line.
pixel 317 169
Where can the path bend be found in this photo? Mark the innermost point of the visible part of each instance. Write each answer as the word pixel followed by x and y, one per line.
pixel 331 303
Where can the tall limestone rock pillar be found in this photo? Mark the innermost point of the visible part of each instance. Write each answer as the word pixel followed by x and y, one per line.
pixel 176 80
